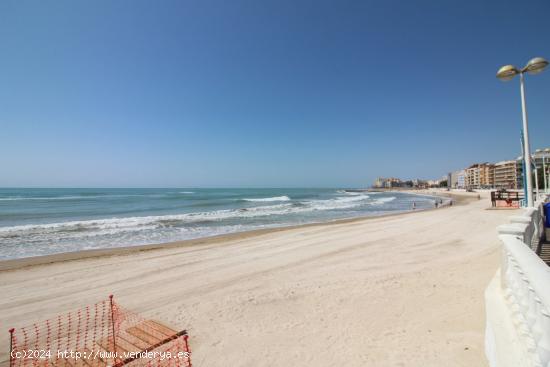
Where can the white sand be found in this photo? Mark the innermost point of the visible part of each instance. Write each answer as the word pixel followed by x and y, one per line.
pixel 405 290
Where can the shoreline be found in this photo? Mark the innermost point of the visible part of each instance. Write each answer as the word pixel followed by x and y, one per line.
pixel 25 262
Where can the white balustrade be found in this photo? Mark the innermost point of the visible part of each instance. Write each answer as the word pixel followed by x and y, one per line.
pixel 525 291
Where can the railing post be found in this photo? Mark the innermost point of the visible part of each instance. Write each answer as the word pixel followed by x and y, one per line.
pixel 185 337
pixel 12 330
pixel 113 325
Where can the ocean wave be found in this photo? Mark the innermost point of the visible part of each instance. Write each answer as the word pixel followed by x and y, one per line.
pixel 382 200
pixel 358 193
pixel 113 226
pixel 11 198
pixel 47 243
pixel 351 193
pixel 158 220
pixel 68 197
pixel 353 198
pixel 274 198
pixel 346 202
pixel 186 192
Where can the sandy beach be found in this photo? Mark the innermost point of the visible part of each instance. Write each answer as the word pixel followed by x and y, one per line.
pixel 402 290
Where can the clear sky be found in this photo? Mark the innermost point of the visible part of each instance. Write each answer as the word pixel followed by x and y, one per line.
pixel 263 93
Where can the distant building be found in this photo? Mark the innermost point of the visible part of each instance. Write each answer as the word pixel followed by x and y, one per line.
pixel 480 175
pixel 541 157
pixel 508 174
pixel 379 183
pixel 501 175
pixel 434 183
pixel 418 183
pixel 456 179
pixel 392 182
pixel 387 183
pixel 461 179
pixel 541 160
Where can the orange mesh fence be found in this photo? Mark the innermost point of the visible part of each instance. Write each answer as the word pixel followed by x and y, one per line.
pixel 99 335
pixel 148 343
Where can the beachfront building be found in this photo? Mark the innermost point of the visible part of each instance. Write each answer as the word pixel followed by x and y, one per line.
pixel 461 179
pixel 542 157
pixel 480 175
pixel 378 183
pixel 387 183
pixel 419 184
pixel 472 177
pixel 451 180
pixel 392 182
pixel 541 160
pixel 456 179
pixel 508 175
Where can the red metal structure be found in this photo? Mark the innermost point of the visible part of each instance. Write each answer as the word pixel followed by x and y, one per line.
pixel 505 199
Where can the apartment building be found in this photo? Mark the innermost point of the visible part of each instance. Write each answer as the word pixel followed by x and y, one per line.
pixel 388 183
pixel 508 175
pixel 392 182
pixel 456 179
pixel 480 175
pixel 461 179
pixel 379 182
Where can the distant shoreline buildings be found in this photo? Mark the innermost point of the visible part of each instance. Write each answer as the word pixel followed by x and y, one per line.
pixel 392 182
pixel 501 175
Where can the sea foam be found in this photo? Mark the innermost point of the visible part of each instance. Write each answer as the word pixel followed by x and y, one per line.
pixel 126 217
pixel 274 198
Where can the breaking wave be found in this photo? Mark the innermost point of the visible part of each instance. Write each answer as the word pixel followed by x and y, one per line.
pixel 382 200
pixel 274 198
pixel 179 216
pixel 114 225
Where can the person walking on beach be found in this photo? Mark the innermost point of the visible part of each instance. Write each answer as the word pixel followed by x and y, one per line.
pixel 436 204
pixel 414 205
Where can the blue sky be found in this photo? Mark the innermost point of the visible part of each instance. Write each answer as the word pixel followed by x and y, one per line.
pixel 262 93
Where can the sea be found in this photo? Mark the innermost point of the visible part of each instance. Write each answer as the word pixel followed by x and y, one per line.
pixel 35 222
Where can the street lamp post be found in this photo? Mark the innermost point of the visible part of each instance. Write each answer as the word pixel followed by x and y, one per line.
pixel 546 152
pixel 536 179
pixel 544 173
pixel 508 72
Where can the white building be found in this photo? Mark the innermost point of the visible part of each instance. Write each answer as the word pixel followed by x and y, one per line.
pixel 456 179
